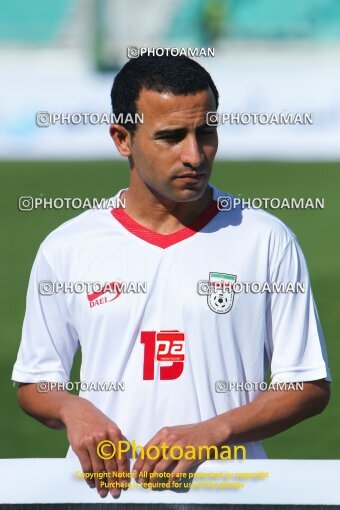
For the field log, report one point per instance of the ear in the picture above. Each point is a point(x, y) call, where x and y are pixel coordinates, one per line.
point(122, 139)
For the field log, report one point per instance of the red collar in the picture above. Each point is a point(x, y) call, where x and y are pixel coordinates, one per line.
point(165, 240)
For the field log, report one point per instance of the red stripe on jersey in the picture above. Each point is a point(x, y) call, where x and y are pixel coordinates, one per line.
point(165, 240)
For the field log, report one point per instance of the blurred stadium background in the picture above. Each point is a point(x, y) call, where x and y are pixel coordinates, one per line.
point(270, 56)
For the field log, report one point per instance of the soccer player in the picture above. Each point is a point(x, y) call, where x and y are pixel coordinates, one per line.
point(170, 344)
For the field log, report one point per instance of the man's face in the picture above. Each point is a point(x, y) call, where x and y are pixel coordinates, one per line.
point(174, 149)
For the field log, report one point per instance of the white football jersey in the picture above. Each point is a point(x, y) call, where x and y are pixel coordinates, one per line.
point(167, 330)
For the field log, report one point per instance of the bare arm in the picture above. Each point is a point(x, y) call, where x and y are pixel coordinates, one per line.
point(85, 424)
point(45, 407)
point(270, 413)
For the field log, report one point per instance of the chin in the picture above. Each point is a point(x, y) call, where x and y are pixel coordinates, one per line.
point(189, 194)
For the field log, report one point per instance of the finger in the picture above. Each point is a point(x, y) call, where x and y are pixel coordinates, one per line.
point(149, 466)
point(137, 467)
point(163, 466)
point(115, 465)
point(86, 466)
point(111, 469)
point(182, 466)
point(98, 467)
point(123, 464)
point(123, 467)
point(142, 464)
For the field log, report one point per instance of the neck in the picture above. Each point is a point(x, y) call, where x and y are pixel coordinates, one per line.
point(160, 214)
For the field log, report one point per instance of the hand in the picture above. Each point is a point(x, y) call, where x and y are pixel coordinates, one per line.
point(86, 427)
point(196, 435)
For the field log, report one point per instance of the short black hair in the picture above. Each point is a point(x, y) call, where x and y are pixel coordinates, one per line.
point(179, 75)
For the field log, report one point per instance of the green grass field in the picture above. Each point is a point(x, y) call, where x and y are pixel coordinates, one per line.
point(22, 232)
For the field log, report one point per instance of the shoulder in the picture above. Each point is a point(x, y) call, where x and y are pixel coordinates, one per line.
point(258, 232)
point(255, 222)
point(79, 236)
point(78, 226)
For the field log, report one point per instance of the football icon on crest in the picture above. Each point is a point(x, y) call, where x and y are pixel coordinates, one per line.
point(221, 295)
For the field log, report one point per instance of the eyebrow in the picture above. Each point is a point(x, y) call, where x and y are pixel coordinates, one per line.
point(179, 131)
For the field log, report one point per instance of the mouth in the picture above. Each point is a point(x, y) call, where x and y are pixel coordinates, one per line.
point(192, 176)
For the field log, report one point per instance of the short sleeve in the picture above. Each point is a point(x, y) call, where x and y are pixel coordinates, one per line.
point(49, 340)
point(295, 341)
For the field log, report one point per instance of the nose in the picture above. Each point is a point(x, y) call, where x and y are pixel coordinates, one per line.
point(192, 154)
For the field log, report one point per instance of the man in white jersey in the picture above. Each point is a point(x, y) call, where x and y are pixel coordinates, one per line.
point(172, 343)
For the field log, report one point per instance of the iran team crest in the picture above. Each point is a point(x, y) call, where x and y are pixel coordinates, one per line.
point(221, 292)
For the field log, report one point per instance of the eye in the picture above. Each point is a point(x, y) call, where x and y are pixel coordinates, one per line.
point(171, 138)
point(207, 132)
